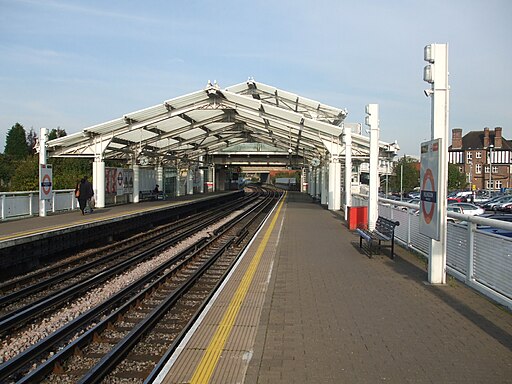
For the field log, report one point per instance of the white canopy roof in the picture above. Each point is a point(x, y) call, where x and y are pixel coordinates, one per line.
point(207, 121)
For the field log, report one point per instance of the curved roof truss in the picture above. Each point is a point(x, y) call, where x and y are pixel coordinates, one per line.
point(209, 120)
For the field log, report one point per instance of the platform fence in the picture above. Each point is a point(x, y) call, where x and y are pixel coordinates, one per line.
point(481, 259)
point(25, 204)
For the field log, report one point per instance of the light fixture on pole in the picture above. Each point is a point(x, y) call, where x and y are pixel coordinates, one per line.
point(435, 73)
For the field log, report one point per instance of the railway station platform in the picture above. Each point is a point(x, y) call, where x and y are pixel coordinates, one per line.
point(30, 242)
point(29, 226)
point(305, 305)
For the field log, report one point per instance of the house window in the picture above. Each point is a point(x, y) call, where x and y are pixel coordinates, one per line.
point(498, 184)
point(478, 168)
point(494, 169)
point(469, 155)
point(487, 169)
point(478, 155)
point(461, 169)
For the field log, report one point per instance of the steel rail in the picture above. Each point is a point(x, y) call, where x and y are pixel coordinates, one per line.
point(25, 314)
point(117, 354)
point(40, 372)
point(8, 298)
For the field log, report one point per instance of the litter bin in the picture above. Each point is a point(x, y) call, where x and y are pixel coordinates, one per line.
point(357, 217)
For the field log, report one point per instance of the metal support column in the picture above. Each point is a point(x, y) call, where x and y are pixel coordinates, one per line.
point(334, 184)
point(436, 73)
point(373, 207)
point(98, 181)
point(347, 139)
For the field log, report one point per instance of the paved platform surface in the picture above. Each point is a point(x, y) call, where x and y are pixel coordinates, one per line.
point(317, 310)
point(332, 315)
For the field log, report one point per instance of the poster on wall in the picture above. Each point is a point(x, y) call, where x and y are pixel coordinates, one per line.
point(110, 180)
point(118, 181)
point(128, 180)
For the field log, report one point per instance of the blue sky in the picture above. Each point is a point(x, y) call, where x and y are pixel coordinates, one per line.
point(73, 64)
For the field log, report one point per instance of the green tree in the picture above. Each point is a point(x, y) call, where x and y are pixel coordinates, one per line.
point(66, 172)
point(406, 174)
point(26, 176)
point(456, 179)
point(16, 142)
point(31, 141)
point(6, 172)
point(55, 133)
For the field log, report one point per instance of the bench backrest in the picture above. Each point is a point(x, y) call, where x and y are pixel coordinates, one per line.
point(386, 226)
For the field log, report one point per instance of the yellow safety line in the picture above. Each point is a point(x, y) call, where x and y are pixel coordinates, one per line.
point(79, 222)
point(212, 353)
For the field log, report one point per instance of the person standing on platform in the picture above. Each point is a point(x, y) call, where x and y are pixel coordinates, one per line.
point(84, 192)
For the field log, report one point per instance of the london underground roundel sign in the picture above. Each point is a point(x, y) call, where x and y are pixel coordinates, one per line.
point(429, 223)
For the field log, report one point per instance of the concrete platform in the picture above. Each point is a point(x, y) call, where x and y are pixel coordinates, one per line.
point(306, 306)
point(29, 243)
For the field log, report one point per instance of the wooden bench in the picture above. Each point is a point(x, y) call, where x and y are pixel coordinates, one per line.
point(150, 195)
point(384, 232)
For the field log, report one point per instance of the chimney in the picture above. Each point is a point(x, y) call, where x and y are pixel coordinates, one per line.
point(498, 140)
point(457, 138)
point(486, 137)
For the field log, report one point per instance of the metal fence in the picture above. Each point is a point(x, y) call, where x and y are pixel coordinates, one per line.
point(481, 259)
point(20, 204)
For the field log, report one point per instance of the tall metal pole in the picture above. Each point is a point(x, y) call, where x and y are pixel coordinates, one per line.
point(372, 120)
point(42, 161)
point(347, 139)
point(436, 73)
point(401, 181)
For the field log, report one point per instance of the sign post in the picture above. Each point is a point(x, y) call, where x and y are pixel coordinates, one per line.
point(436, 74)
point(45, 172)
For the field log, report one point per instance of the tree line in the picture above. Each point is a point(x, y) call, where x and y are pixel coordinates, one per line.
point(19, 163)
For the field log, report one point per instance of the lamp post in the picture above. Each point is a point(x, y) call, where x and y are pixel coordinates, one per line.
point(491, 146)
point(470, 176)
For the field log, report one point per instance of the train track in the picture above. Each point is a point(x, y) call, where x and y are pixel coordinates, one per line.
point(39, 293)
point(130, 335)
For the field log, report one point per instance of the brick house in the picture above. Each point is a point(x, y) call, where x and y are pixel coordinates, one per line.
point(484, 156)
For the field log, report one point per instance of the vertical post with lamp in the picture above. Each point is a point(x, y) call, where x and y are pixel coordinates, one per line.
point(436, 74)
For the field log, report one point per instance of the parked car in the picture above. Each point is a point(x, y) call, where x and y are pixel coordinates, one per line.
point(495, 200)
point(468, 208)
point(456, 209)
point(499, 206)
point(507, 208)
point(494, 230)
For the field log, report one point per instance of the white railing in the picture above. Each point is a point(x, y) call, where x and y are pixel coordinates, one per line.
point(481, 259)
point(20, 204)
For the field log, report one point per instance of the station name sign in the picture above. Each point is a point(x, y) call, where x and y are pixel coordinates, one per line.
point(429, 224)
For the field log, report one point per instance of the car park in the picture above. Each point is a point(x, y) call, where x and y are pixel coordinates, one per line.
point(495, 201)
point(468, 208)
